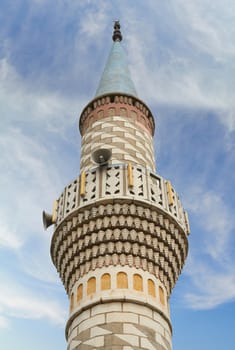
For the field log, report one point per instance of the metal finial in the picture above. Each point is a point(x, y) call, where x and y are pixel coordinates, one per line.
point(117, 35)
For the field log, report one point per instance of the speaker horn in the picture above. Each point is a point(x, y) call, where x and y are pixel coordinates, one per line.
point(101, 156)
point(47, 220)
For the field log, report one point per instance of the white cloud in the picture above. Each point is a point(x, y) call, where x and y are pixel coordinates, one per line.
point(16, 301)
point(8, 238)
point(211, 286)
point(227, 117)
point(30, 184)
point(210, 266)
point(214, 217)
point(210, 26)
point(193, 66)
point(37, 262)
point(29, 176)
point(94, 20)
point(29, 179)
point(21, 104)
point(4, 323)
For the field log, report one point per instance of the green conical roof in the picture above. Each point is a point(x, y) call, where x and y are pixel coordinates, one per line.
point(116, 75)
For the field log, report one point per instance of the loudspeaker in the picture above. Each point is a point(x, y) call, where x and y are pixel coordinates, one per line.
point(47, 220)
point(101, 156)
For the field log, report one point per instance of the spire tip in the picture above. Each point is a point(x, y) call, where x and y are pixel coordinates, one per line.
point(117, 35)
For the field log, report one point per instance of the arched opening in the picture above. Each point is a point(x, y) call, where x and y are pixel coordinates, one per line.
point(111, 112)
point(79, 293)
point(161, 295)
point(71, 302)
point(138, 282)
point(91, 285)
point(123, 112)
point(122, 281)
point(100, 114)
point(105, 281)
point(151, 288)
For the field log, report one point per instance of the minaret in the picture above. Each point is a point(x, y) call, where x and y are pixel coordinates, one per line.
point(120, 237)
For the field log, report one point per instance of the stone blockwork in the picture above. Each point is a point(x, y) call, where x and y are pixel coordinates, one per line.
point(123, 137)
point(122, 124)
point(120, 283)
point(119, 326)
point(119, 242)
point(120, 239)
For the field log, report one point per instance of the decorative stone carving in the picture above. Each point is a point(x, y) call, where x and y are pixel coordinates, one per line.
point(111, 182)
point(124, 239)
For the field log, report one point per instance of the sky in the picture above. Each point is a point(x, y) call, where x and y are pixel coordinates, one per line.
point(181, 56)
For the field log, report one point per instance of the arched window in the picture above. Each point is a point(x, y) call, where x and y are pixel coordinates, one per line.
point(91, 285)
point(151, 288)
point(71, 302)
point(122, 281)
point(123, 112)
point(138, 282)
point(143, 120)
point(100, 114)
point(105, 281)
point(111, 112)
point(133, 114)
point(79, 292)
point(161, 295)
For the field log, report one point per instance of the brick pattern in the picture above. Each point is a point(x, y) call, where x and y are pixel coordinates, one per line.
point(117, 104)
point(126, 138)
point(128, 328)
point(119, 234)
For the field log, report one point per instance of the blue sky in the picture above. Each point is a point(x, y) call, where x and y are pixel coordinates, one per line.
point(182, 60)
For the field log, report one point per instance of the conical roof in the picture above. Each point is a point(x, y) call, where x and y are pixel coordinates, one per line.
point(116, 75)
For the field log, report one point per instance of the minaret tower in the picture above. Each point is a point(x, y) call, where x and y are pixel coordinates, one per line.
point(120, 237)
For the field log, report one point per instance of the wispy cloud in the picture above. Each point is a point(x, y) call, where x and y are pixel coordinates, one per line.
point(8, 238)
point(210, 266)
point(30, 180)
point(4, 323)
point(25, 180)
point(189, 69)
point(210, 26)
point(94, 20)
point(215, 218)
point(18, 302)
point(47, 109)
point(210, 286)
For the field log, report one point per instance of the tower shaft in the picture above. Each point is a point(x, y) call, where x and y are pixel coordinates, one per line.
point(120, 238)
